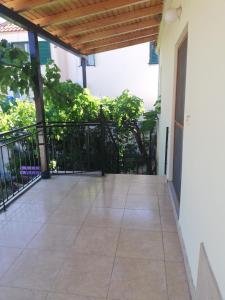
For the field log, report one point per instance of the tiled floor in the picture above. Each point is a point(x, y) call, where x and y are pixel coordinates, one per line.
point(92, 238)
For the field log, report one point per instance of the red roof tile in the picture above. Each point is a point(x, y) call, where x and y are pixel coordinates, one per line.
point(9, 27)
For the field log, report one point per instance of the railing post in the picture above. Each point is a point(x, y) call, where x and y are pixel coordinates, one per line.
point(102, 121)
point(166, 150)
point(39, 103)
point(84, 71)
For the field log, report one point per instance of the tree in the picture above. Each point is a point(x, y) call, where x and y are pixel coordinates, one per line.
point(68, 101)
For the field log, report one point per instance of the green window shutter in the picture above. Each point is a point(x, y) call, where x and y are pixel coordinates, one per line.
point(154, 58)
point(45, 52)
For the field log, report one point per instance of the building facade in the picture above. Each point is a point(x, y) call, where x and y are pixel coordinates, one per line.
point(134, 68)
point(192, 72)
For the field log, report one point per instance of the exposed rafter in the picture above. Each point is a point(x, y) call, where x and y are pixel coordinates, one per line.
point(84, 11)
point(113, 32)
point(118, 39)
point(15, 18)
point(96, 25)
point(121, 45)
point(22, 5)
point(113, 20)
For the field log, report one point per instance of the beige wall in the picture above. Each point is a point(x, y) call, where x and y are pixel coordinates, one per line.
point(202, 211)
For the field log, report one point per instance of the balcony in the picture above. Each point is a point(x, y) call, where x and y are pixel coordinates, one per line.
point(91, 237)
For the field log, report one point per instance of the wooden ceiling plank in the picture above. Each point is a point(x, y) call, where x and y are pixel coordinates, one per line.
point(114, 20)
point(84, 11)
point(118, 39)
point(113, 32)
point(23, 5)
point(121, 45)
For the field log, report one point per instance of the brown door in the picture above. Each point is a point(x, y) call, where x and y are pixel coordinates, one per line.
point(179, 116)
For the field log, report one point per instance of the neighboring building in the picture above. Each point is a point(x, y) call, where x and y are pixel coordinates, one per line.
point(108, 74)
point(192, 72)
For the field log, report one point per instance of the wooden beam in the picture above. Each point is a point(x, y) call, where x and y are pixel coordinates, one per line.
point(84, 71)
point(119, 39)
point(113, 20)
point(84, 11)
point(113, 32)
point(39, 102)
point(22, 5)
point(19, 20)
point(121, 45)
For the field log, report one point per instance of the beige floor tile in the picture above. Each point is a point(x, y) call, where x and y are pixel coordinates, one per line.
point(115, 191)
point(73, 263)
point(142, 202)
point(7, 258)
point(172, 247)
point(147, 179)
point(104, 217)
point(140, 244)
point(53, 236)
point(177, 281)
point(32, 213)
point(86, 275)
point(165, 203)
point(138, 279)
point(97, 240)
point(168, 221)
point(65, 215)
point(54, 296)
point(110, 201)
point(141, 219)
point(80, 200)
point(18, 234)
point(142, 189)
point(34, 269)
point(21, 294)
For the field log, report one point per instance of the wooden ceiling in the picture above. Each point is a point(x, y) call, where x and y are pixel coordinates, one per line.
point(93, 26)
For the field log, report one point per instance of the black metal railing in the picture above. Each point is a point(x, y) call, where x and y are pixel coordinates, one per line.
point(19, 161)
point(72, 148)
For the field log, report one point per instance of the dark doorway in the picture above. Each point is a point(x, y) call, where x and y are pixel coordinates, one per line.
point(179, 116)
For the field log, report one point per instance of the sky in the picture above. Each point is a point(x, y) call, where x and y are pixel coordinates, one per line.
point(2, 20)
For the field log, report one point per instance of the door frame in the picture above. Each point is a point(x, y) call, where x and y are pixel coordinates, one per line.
point(180, 40)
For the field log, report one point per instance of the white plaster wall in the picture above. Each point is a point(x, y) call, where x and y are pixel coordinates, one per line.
point(202, 211)
point(115, 71)
point(126, 68)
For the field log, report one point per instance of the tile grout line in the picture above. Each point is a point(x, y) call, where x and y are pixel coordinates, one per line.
point(114, 261)
point(167, 292)
point(24, 248)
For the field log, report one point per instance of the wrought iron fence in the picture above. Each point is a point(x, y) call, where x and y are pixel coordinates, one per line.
point(73, 148)
point(19, 162)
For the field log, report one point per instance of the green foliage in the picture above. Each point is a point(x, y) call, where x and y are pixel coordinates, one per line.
point(18, 115)
point(124, 108)
point(65, 100)
point(151, 117)
point(15, 70)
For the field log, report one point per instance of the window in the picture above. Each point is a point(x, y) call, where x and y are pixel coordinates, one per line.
point(44, 50)
point(90, 60)
point(154, 58)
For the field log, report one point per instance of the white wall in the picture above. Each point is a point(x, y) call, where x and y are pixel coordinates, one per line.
point(202, 210)
point(126, 68)
point(115, 71)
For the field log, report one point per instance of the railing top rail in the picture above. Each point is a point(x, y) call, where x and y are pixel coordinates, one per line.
point(2, 134)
